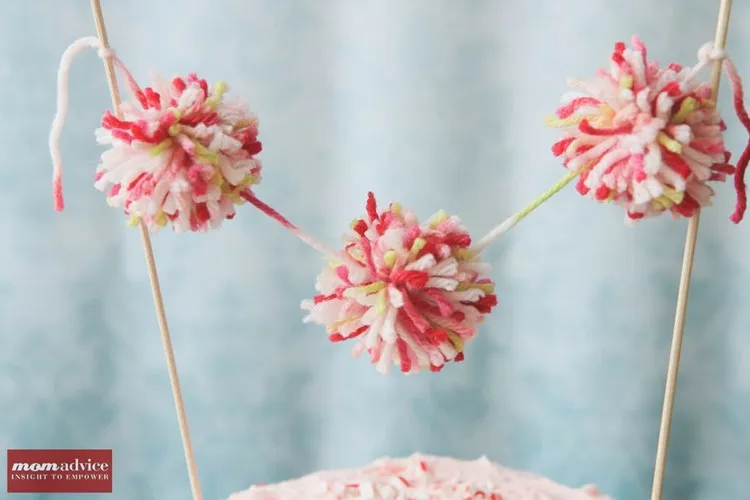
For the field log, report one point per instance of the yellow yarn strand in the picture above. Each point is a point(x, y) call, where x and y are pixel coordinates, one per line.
point(553, 121)
point(514, 219)
point(556, 188)
point(689, 105)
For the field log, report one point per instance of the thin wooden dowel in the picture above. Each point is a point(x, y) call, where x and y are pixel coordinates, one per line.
point(683, 292)
point(161, 315)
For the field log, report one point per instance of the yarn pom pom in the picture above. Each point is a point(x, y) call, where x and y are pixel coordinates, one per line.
point(409, 294)
point(181, 154)
point(646, 137)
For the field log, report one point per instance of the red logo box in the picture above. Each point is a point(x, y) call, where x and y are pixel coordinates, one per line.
point(59, 471)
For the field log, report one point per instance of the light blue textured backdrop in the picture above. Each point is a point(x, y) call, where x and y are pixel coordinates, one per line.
point(437, 104)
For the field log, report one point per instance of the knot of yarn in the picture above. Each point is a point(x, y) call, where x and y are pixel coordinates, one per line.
point(409, 293)
point(106, 53)
point(708, 53)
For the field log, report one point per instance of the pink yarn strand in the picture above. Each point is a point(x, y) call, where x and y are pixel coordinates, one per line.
point(250, 197)
point(738, 95)
point(135, 89)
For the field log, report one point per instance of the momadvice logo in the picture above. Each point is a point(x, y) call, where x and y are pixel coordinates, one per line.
point(59, 471)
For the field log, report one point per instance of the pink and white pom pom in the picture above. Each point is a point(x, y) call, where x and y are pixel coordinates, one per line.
point(409, 294)
point(180, 152)
point(649, 138)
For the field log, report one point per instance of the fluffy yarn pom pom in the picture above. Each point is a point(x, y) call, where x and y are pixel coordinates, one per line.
point(645, 137)
point(411, 294)
point(181, 154)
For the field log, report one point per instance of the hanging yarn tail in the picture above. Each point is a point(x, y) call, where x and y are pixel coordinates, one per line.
point(250, 197)
point(739, 107)
point(495, 233)
point(63, 71)
point(707, 55)
point(63, 74)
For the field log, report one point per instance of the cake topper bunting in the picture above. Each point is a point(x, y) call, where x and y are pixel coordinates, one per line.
point(409, 293)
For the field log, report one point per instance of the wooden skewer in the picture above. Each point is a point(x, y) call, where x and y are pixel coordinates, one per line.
point(161, 315)
point(720, 41)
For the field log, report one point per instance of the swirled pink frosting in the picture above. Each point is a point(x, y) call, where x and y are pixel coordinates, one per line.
point(421, 477)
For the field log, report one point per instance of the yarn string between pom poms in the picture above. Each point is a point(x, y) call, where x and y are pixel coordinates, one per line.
point(271, 212)
point(495, 233)
point(652, 135)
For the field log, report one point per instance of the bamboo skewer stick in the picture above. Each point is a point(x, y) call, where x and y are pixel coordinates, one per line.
point(161, 315)
point(691, 239)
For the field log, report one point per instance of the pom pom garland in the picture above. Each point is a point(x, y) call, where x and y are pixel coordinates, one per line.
point(409, 294)
point(649, 138)
point(181, 154)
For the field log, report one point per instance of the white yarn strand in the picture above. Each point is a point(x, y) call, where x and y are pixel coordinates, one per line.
point(63, 76)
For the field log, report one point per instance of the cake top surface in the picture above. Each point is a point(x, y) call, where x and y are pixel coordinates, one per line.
point(421, 477)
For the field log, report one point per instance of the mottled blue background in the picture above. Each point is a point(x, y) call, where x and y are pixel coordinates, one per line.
point(437, 104)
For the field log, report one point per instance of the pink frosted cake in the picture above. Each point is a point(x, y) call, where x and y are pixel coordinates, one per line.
point(421, 477)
